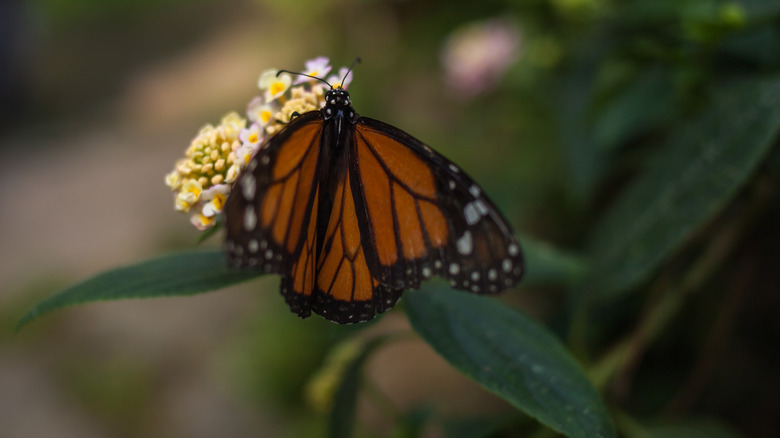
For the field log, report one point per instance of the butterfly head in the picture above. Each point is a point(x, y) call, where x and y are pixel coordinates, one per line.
point(337, 105)
point(337, 98)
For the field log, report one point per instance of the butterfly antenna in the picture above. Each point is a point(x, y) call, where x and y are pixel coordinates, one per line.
point(303, 74)
point(356, 61)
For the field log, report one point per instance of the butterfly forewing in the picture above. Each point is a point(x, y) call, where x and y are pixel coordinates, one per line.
point(426, 216)
point(270, 208)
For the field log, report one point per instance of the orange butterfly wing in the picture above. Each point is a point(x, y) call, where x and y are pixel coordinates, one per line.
point(346, 290)
point(424, 216)
point(274, 200)
point(352, 211)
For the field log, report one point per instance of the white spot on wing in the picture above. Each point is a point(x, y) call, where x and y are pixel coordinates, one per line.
point(451, 184)
point(265, 159)
point(248, 186)
point(506, 265)
point(465, 244)
point(492, 275)
point(253, 245)
point(454, 268)
point(481, 207)
point(250, 218)
point(475, 191)
point(471, 213)
point(513, 249)
point(454, 168)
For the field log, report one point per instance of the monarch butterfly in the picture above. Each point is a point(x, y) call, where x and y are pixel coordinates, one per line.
point(352, 211)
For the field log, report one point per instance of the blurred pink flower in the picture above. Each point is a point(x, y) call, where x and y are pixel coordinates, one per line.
point(317, 67)
point(476, 55)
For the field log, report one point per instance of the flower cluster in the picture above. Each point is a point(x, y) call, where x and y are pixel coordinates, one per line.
point(218, 154)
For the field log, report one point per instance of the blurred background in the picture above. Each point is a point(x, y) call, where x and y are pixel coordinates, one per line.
point(550, 104)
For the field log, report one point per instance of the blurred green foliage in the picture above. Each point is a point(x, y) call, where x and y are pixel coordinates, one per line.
point(119, 392)
point(262, 368)
point(71, 13)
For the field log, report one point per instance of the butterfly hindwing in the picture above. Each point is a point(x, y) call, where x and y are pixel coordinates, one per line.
point(298, 285)
point(426, 217)
point(345, 289)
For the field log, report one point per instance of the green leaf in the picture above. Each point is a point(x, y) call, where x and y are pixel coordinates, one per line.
point(645, 102)
point(512, 356)
point(185, 273)
point(548, 265)
point(691, 179)
point(342, 416)
point(582, 157)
